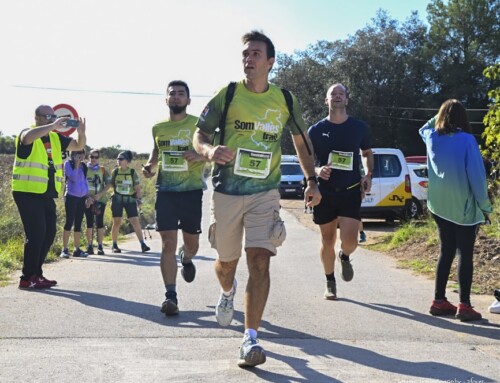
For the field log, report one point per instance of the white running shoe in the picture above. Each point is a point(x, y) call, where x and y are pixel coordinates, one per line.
point(225, 309)
point(64, 254)
point(251, 354)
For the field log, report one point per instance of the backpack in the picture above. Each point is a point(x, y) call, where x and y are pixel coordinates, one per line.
point(113, 177)
point(95, 180)
point(115, 171)
point(229, 96)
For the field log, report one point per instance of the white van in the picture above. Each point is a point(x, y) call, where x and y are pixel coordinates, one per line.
point(291, 177)
point(390, 196)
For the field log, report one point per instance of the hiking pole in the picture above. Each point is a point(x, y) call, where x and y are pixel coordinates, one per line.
point(144, 226)
point(95, 211)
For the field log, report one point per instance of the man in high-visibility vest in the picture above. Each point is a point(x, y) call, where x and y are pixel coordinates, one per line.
point(37, 179)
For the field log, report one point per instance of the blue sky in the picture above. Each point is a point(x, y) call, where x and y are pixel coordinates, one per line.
point(97, 46)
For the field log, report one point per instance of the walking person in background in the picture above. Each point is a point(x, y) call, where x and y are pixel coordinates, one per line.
point(458, 200)
point(246, 176)
point(126, 195)
point(37, 179)
point(179, 190)
point(337, 141)
point(99, 182)
point(75, 198)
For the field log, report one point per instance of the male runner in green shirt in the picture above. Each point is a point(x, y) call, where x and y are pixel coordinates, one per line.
point(179, 188)
point(246, 178)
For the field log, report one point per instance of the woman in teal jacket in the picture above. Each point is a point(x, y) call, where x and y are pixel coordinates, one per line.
point(458, 200)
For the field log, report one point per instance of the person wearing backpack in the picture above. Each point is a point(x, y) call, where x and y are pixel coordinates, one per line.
point(99, 182)
point(75, 198)
point(126, 195)
point(246, 177)
point(179, 190)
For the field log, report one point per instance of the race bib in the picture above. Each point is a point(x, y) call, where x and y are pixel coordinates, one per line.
point(124, 187)
point(253, 164)
point(173, 161)
point(340, 160)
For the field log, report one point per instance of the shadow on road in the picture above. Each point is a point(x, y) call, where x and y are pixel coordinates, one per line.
point(307, 343)
point(481, 328)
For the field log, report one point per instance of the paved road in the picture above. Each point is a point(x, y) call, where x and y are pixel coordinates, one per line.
point(102, 324)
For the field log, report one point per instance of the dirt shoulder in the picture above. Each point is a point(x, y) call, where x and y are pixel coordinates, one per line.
point(418, 255)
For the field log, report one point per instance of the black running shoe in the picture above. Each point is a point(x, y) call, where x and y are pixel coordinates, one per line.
point(188, 270)
point(169, 306)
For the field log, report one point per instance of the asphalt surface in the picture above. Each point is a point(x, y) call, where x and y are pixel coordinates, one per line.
point(102, 323)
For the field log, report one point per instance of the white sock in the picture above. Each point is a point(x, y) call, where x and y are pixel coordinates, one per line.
point(251, 333)
point(230, 292)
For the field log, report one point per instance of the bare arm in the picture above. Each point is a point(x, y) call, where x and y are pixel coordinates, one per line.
point(367, 179)
point(219, 154)
point(312, 196)
point(30, 135)
point(193, 156)
point(147, 170)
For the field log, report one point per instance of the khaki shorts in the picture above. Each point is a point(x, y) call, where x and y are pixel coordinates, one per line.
point(255, 214)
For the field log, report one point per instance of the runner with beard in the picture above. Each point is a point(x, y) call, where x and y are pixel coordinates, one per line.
point(179, 190)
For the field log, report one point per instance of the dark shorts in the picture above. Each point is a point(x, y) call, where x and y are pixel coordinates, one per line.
point(179, 210)
point(119, 202)
point(332, 206)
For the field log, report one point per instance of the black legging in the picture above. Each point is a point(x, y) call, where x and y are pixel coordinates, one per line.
point(38, 215)
point(455, 237)
point(89, 216)
point(75, 207)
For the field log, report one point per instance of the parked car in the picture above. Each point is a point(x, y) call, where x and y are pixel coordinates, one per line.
point(390, 196)
point(416, 159)
point(419, 184)
point(291, 177)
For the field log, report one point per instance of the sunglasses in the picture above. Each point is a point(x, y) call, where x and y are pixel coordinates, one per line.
point(120, 158)
point(94, 157)
point(48, 116)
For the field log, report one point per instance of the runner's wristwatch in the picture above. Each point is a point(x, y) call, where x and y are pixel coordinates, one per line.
point(312, 178)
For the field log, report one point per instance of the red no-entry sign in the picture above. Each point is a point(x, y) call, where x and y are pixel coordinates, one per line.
point(65, 110)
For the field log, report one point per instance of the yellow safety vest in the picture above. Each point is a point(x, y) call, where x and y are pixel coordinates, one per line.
point(32, 174)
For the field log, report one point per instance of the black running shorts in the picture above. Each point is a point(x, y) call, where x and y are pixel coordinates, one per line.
point(179, 210)
point(342, 204)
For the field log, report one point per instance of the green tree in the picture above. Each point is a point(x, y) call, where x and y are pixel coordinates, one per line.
point(491, 133)
point(464, 38)
point(7, 144)
point(384, 67)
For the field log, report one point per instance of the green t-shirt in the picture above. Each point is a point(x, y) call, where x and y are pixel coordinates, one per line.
point(172, 139)
point(97, 180)
point(254, 125)
point(124, 181)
